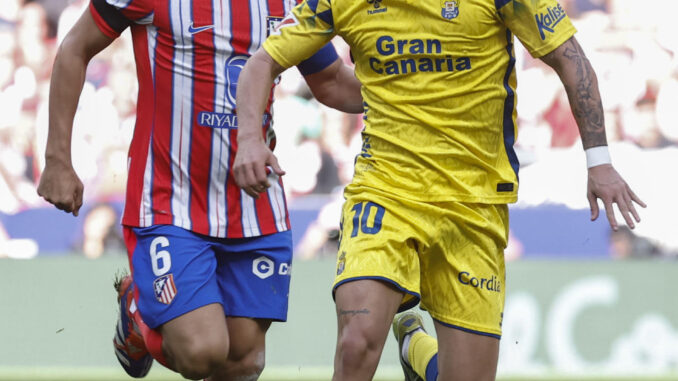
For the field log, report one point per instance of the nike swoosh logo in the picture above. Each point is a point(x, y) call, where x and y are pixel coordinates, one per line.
point(193, 30)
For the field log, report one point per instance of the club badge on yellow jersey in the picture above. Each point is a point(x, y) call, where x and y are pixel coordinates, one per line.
point(450, 9)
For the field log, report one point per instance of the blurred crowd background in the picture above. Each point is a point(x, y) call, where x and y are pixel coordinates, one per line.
point(632, 45)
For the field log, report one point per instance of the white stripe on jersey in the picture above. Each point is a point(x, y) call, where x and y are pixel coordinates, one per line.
point(146, 204)
point(276, 197)
point(258, 13)
point(220, 137)
point(146, 20)
point(250, 225)
point(289, 4)
point(182, 98)
point(152, 38)
point(146, 207)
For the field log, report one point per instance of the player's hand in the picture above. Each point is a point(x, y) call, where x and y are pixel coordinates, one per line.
point(61, 187)
point(606, 184)
point(251, 164)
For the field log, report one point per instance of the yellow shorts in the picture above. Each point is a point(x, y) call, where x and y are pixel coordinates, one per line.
point(447, 255)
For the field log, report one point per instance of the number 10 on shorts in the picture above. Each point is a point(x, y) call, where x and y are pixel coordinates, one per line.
point(363, 214)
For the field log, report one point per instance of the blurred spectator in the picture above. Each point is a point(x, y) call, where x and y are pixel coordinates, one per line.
point(625, 244)
point(101, 232)
point(22, 248)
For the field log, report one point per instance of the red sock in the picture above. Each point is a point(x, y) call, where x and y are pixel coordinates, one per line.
point(152, 339)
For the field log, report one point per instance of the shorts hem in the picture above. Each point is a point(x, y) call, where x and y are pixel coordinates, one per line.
point(403, 307)
point(278, 319)
point(469, 330)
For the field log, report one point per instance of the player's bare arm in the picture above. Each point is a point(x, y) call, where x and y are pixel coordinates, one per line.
point(253, 156)
point(581, 85)
point(336, 86)
point(59, 184)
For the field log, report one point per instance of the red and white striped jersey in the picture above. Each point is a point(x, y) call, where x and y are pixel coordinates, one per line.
point(189, 54)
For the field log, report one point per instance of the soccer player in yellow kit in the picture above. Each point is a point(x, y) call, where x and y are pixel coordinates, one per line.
point(425, 218)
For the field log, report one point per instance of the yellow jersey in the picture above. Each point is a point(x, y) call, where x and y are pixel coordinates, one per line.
point(438, 81)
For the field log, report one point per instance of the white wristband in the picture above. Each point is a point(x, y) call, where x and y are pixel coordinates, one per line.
point(596, 156)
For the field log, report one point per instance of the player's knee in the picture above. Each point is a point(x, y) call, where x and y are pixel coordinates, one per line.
point(353, 349)
point(200, 359)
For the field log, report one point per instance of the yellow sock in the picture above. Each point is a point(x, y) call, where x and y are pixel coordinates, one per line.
point(421, 350)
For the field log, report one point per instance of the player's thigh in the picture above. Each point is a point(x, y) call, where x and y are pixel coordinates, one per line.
point(198, 334)
point(465, 355)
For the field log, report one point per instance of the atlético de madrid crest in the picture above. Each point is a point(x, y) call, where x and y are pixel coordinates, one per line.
point(450, 9)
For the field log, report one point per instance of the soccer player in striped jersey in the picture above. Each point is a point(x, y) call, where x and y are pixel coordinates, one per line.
point(210, 264)
point(426, 217)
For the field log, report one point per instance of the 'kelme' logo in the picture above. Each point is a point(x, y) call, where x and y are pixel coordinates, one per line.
point(548, 21)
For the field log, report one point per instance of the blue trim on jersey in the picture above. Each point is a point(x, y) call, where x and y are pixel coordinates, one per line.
point(327, 17)
point(500, 3)
point(403, 307)
point(319, 61)
point(481, 333)
point(312, 4)
point(432, 368)
point(509, 105)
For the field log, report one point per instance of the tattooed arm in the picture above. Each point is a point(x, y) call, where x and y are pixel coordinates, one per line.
point(581, 85)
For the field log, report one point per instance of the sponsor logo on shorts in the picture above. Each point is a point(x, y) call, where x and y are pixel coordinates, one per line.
point(264, 267)
point(490, 284)
point(546, 22)
point(165, 289)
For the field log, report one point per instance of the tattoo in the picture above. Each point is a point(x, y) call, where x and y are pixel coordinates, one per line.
point(364, 311)
point(586, 104)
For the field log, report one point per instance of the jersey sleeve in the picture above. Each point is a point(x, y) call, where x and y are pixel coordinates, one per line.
point(108, 18)
point(135, 11)
point(318, 61)
point(303, 32)
point(541, 25)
